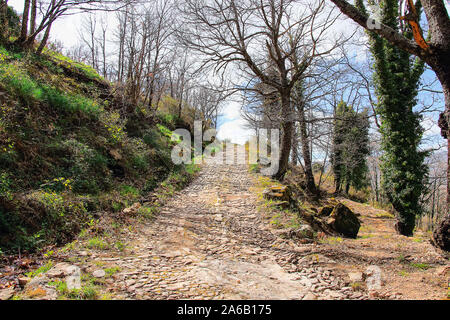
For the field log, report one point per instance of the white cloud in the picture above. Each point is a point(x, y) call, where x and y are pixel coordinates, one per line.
point(235, 130)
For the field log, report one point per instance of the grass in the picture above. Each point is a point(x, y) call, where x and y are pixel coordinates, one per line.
point(98, 244)
point(112, 271)
point(40, 270)
point(331, 240)
point(88, 290)
point(420, 266)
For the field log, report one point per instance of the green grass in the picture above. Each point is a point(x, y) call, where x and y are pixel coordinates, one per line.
point(61, 60)
point(420, 266)
point(98, 244)
point(40, 270)
point(112, 271)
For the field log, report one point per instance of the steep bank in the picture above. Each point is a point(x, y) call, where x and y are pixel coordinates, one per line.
point(71, 151)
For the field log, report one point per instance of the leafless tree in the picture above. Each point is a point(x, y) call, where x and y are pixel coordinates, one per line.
point(232, 33)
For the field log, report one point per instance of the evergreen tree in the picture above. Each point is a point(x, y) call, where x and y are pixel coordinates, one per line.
point(350, 148)
point(397, 76)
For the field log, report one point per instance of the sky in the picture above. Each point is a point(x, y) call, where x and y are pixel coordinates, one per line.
point(231, 124)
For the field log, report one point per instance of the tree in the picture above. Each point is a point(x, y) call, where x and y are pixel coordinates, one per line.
point(51, 11)
point(299, 102)
point(350, 148)
point(396, 81)
point(245, 33)
point(436, 53)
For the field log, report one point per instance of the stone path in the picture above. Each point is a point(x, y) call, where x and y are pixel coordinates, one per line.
point(210, 242)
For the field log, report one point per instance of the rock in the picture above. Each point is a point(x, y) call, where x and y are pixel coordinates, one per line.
point(38, 288)
point(133, 209)
point(59, 270)
point(344, 221)
point(355, 277)
point(443, 271)
point(281, 194)
point(73, 280)
point(6, 294)
point(99, 273)
point(310, 296)
point(441, 234)
point(129, 283)
point(326, 211)
point(305, 231)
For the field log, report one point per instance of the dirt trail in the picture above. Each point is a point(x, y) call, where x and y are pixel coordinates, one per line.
point(210, 242)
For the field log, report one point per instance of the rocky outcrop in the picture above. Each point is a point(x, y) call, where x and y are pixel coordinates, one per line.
point(343, 221)
point(281, 194)
point(441, 234)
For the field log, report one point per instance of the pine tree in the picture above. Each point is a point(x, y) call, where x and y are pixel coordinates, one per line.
point(397, 77)
point(350, 148)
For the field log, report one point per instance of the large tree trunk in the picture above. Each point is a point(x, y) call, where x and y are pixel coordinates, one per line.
point(3, 20)
point(442, 69)
point(310, 184)
point(24, 29)
point(295, 147)
point(287, 127)
point(437, 56)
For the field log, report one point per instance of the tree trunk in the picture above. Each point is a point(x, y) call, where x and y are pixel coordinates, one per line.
point(442, 69)
point(33, 16)
point(24, 30)
point(310, 184)
point(4, 20)
point(44, 40)
point(295, 147)
point(286, 141)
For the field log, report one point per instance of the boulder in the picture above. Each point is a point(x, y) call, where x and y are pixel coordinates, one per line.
point(344, 221)
point(441, 234)
point(326, 211)
point(60, 270)
point(280, 194)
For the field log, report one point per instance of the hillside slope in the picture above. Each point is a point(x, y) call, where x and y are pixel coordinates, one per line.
point(70, 151)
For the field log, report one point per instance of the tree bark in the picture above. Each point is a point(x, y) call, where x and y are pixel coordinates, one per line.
point(24, 28)
point(44, 40)
point(4, 20)
point(287, 127)
point(310, 184)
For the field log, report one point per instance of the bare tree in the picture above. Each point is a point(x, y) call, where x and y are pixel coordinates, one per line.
point(228, 32)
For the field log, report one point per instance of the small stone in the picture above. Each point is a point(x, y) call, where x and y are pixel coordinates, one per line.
point(310, 296)
point(355, 276)
point(99, 273)
point(130, 282)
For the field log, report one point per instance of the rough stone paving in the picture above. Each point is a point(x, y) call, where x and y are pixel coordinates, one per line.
point(210, 242)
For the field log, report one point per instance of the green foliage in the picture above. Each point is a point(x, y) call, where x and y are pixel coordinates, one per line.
point(40, 270)
point(397, 77)
point(5, 185)
point(66, 154)
point(98, 244)
point(350, 147)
